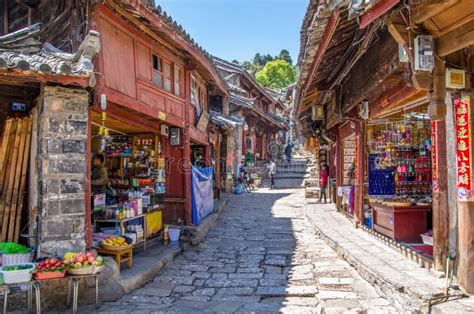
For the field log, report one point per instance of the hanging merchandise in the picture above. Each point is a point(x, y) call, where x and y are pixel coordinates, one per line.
point(399, 163)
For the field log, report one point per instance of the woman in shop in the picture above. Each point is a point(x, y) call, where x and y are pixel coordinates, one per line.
point(323, 181)
point(99, 175)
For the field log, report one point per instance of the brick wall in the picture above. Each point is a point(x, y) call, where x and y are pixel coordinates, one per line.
point(62, 168)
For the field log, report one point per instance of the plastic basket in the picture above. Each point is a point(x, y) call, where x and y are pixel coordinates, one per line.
point(18, 276)
point(14, 259)
point(50, 275)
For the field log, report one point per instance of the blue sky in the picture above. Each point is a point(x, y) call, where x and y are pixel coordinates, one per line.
point(237, 29)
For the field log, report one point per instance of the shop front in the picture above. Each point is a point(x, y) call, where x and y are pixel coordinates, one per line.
point(132, 200)
point(398, 174)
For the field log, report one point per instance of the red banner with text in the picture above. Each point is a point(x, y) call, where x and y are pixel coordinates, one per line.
point(434, 154)
point(463, 146)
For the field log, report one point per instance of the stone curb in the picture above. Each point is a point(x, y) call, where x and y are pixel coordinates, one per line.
point(397, 295)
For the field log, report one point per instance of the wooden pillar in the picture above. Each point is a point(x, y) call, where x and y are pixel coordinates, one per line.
point(437, 112)
point(359, 174)
point(339, 168)
point(440, 199)
point(186, 166)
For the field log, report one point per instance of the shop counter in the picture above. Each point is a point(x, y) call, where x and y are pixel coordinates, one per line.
point(403, 224)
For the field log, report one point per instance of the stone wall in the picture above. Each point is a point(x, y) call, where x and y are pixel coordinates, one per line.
point(62, 168)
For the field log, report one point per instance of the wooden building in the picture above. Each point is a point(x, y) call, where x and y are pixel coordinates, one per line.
point(363, 78)
point(150, 82)
point(262, 114)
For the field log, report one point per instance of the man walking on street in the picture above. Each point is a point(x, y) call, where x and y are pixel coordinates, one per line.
point(271, 172)
point(288, 150)
point(323, 181)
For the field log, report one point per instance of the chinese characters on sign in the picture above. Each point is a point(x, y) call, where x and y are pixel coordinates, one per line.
point(356, 167)
point(463, 145)
point(434, 154)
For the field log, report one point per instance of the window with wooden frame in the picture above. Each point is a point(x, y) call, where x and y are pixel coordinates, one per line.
point(178, 80)
point(167, 76)
point(196, 96)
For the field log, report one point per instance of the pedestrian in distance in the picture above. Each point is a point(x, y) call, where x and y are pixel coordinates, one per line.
point(271, 165)
point(323, 181)
point(288, 151)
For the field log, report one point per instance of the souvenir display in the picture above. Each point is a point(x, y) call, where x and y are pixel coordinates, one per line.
point(400, 163)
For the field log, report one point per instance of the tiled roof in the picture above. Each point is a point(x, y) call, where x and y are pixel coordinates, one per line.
point(225, 121)
point(21, 50)
point(241, 101)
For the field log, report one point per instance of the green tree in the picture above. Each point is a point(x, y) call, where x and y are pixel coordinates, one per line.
point(265, 59)
point(257, 59)
point(235, 61)
point(250, 67)
point(276, 74)
point(285, 55)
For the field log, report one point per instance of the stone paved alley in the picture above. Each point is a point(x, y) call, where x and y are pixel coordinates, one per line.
point(261, 256)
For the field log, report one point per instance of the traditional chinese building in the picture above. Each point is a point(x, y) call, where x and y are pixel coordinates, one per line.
point(151, 83)
point(363, 80)
point(263, 114)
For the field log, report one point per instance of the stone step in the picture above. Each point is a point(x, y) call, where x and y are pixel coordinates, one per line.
point(311, 192)
point(311, 183)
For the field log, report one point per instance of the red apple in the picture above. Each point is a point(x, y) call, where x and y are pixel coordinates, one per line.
point(91, 259)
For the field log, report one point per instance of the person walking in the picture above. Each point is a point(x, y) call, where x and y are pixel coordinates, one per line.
point(271, 172)
point(288, 151)
point(323, 181)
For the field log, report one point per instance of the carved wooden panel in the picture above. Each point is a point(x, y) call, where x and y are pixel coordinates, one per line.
point(151, 98)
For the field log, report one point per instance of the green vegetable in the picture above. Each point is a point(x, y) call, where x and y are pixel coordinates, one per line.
point(16, 267)
point(12, 248)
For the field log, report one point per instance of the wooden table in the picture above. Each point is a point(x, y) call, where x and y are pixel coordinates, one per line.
point(121, 256)
point(404, 223)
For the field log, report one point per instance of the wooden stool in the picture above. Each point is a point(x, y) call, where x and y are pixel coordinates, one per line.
point(121, 256)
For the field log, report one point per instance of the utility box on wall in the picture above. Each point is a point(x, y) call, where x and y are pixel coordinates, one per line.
point(175, 136)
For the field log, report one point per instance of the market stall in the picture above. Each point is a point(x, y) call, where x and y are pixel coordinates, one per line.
point(399, 177)
point(134, 198)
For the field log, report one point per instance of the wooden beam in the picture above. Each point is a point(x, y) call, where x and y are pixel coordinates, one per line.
point(399, 33)
point(376, 11)
point(323, 44)
point(427, 10)
point(457, 39)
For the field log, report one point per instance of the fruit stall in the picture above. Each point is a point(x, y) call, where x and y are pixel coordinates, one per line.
point(18, 267)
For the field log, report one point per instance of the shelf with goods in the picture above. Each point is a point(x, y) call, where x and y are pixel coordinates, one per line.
point(400, 179)
point(137, 184)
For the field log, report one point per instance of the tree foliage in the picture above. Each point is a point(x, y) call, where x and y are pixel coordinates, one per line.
point(285, 55)
point(276, 74)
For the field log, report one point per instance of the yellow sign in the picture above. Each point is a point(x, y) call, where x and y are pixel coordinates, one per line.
point(162, 115)
point(455, 78)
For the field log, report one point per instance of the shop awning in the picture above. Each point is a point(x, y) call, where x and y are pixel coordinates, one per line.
point(225, 121)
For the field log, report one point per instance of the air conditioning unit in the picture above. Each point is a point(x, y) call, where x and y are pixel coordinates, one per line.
point(364, 110)
point(424, 53)
point(165, 130)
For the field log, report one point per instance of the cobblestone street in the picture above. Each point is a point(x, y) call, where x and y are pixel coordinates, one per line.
point(260, 256)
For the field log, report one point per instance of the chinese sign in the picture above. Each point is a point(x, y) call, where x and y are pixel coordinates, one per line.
point(434, 154)
point(463, 144)
point(356, 167)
